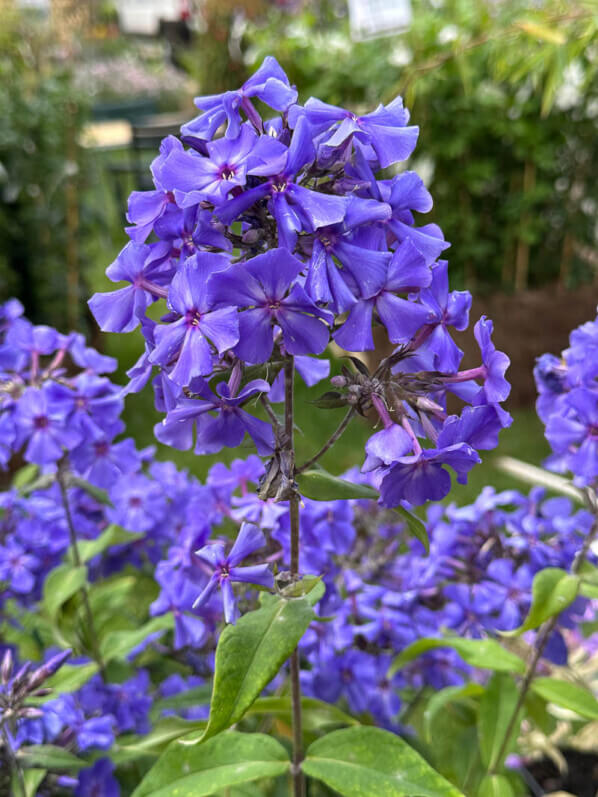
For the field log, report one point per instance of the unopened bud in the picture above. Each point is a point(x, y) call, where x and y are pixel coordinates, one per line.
point(49, 668)
point(30, 713)
point(252, 236)
point(6, 668)
point(339, 381)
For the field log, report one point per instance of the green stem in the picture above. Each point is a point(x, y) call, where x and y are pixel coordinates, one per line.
point(289, 389)
point(77, 558)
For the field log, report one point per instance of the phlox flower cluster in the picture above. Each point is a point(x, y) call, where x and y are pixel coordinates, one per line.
point(568, 405)
point(269, 235)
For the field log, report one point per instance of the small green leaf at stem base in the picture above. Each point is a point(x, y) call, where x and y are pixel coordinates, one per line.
point(189, 769)
point(49, 756)
point(369, 762)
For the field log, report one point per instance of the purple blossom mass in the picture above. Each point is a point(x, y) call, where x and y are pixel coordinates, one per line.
point(275, 239)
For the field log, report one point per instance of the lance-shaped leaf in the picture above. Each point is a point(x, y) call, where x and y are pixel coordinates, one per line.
point(113, 535)
point(415, 526)
point(189, 769)
point(118, 644)
point(250, 653)
point(496, 710)
point(567, 695)
point(553, 590)
point(49, 756)
point(322, 486)
point(495, 786)
point(370, 762)
point(484, 653)
point(62, 583)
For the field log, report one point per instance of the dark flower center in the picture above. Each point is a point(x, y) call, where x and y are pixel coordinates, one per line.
point(41, 422)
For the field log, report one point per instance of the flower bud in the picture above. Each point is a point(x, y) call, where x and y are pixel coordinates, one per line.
point(339, 381)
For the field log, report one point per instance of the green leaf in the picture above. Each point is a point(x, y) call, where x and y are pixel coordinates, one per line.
point(197, 696)
point(322, 486)
point(118, 644)
point(31, 780)
point(369, 762)
point(101, 496)
point(49, 756)
point(496, 709)
point(439, 700)
point(43, 482)
point(298, 589)
point(62, 583)
point(567, 695)
point(553, 590)
point(187, 769)
point(69, 678)
point(166, 730)
point(331, 400)
point(484, 653)
point(250, 654)
point(495, 786)
point(415, 526)
point(113, 535)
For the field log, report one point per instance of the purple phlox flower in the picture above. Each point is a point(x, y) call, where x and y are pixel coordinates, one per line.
point(403, 193)
point(238, 475)
point(494, 363)
point(269, 84)
point(582, 355)
point(385, 129)
point(294, 207)
point(138, 503)
point(189, 229)
point(407, 272)
point(8, 436)
point(444, 309)
point(187, 342)
point(511, 587)
point(477, 426)
point(422, 476)
point(177, 595)
point(386, 446)
point(367, 267)
point(35, 340)
point(88, 732)
point(91, 403)
point(146, 207)
point(17, 567)
point(575, 434)
point(102, 462)
point(551, 376)
point(311, 369)
point(267, 291)
point(143, 266)
point(252, 509)
point(44, 426)
point(193, 177)
point(98, 780)
point(226, 569)
point(89, 359)
point(227, 428)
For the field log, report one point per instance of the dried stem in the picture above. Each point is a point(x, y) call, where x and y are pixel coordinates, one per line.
point(289, 389)
point(330, 442)
point(61, 478)
point(540, 645)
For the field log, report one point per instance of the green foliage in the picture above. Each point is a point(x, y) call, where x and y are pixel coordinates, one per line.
point(505, 98)
point(322, 486)
point(567, 695)
point(370, 762)
point(497, 706)
point(250, 653)
point(188, 769)
point(484, 653)
point(42, 168)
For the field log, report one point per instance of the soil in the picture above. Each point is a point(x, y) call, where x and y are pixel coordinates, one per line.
point(581, 778)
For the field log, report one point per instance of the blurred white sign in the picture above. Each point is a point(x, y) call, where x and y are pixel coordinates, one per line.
point(373, 18)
